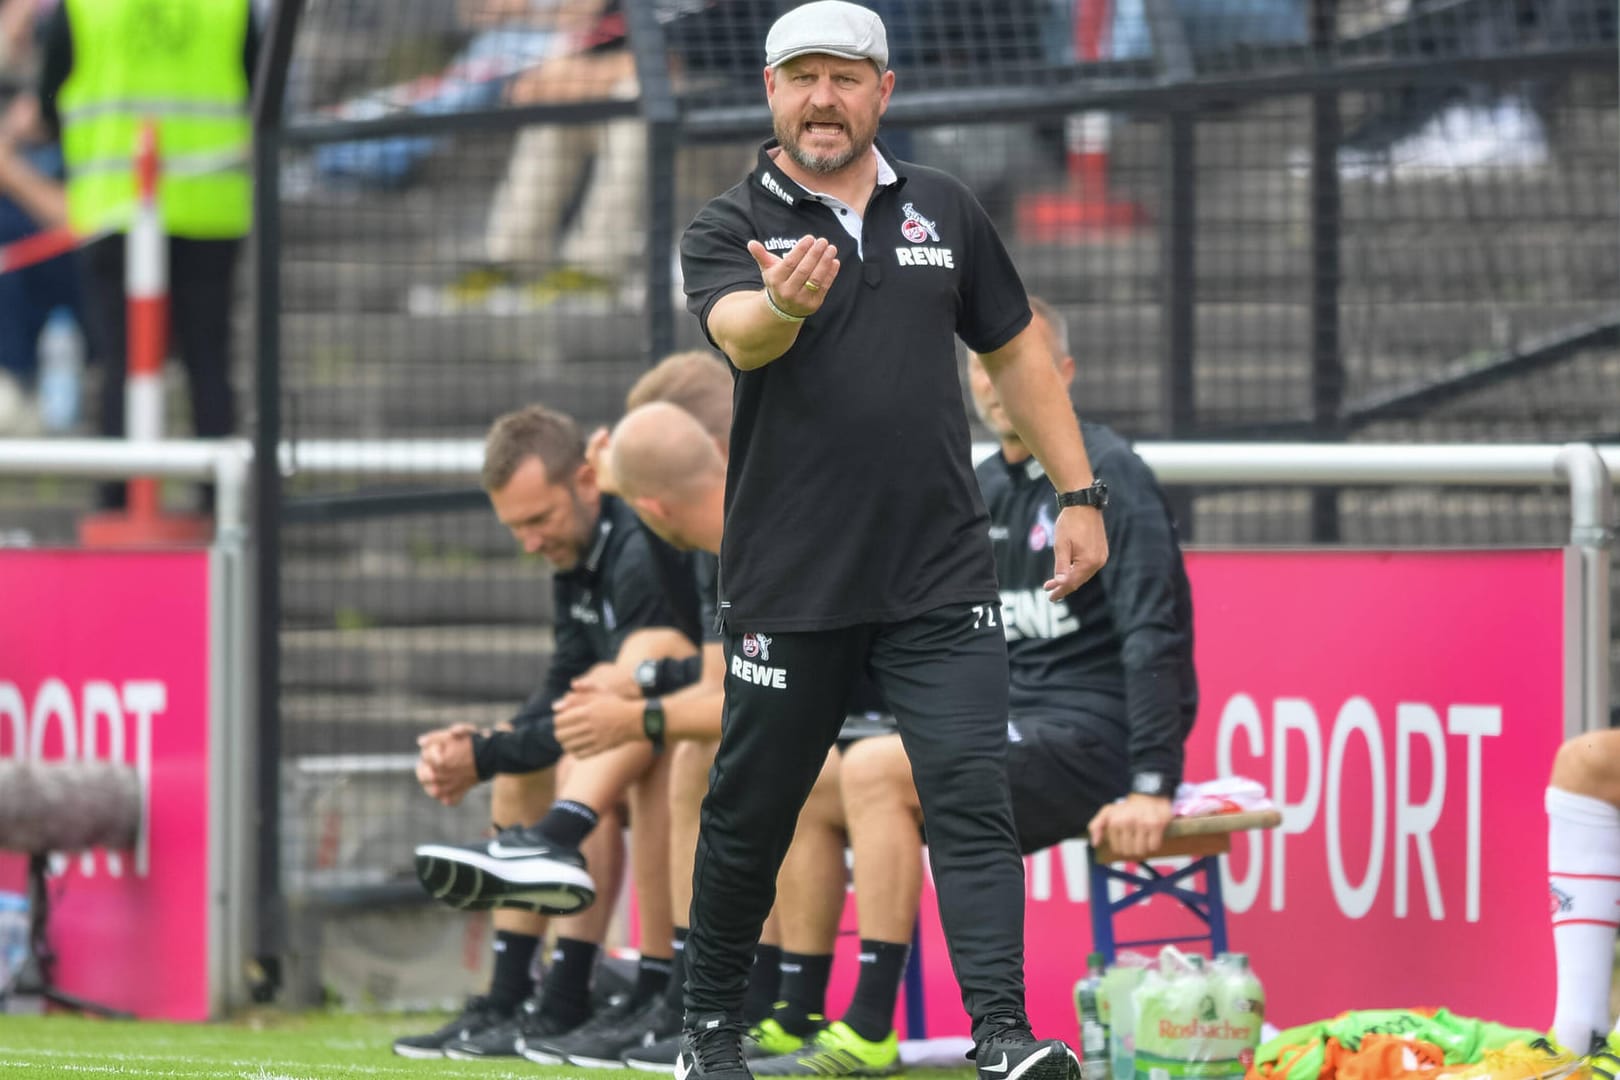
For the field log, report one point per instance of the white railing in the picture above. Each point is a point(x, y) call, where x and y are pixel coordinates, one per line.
point(1587, 472)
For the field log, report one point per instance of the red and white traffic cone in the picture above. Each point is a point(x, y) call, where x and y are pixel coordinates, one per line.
point(146, 292)
point(1085, 206)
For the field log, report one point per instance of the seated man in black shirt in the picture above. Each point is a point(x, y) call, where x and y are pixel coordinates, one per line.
point(622, 597)
point(1103, 694)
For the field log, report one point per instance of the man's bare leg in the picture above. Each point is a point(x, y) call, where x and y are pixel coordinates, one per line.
point(885, 822)
point(810, 890)
point(885, 832)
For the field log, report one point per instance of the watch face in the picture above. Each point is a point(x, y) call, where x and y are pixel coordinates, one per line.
point(1148, 784)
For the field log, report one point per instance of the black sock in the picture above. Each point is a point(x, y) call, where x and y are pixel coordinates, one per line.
point(764, 979)
point(567, 823)
point(511, 981)
point(566, 991)
point(871, 1011)
point(804, 992)
point(677, 970)
point(652, 978)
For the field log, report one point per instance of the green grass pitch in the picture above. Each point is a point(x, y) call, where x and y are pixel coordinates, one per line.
point(260, 1046)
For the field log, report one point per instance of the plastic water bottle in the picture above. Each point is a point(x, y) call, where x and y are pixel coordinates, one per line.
point(1088, 1006)
point(1120, 984)
point(61, 369)
point(1245, 1001)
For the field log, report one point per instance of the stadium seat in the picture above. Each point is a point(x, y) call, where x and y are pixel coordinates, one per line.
point(1202, 839)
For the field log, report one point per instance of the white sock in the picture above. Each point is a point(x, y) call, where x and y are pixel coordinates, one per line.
point(1583, 879)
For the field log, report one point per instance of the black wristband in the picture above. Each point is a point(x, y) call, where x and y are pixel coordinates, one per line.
point(652, 722)
point(673, 675)
point(1095, 495)
point(484, 756)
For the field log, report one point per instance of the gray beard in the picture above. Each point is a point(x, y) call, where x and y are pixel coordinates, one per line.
point(822, 166)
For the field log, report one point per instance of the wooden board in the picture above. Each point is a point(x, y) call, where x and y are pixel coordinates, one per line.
point(1209, 834)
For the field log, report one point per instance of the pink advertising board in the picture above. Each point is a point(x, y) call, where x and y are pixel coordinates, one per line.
point(1403, 708)
point(106, 655)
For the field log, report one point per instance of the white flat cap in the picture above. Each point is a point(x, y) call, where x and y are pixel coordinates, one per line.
point(833, 27)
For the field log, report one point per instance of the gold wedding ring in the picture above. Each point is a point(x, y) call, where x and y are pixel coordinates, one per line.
point(812, 286)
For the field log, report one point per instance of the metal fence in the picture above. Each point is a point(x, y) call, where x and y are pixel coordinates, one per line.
point(1262, 219)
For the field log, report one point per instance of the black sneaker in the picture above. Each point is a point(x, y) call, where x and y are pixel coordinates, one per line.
point(545, 1052)
point(478, 1015)
point(518, 869)
point(598, 1044)
point(658, 1056)
point(656, 1021)
point(1012, 1053)
point(711, 1049)
point(496, 1041)
point(537, 1026)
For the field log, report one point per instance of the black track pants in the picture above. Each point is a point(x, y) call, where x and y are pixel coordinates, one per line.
point(944, 677)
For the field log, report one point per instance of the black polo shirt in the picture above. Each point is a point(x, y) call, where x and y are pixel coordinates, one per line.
point(1117, 653)
point(676, 673)
point(850, 495)
point(706, 578)
point(628, 580)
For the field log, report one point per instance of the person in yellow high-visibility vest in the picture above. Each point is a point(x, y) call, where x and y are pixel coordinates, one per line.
point(110, 66)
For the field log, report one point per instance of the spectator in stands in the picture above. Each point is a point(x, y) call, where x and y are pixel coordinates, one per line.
point(1210, 25)
point(1103, 694)
point(621, 597)
point(508, 37)
point(31, 202)
point(189, 65)
point(1583, 872)
point(572, 201)
point(1430, 128)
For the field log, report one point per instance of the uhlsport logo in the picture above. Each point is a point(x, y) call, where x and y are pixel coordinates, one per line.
point(917, 228)
point(757, 645)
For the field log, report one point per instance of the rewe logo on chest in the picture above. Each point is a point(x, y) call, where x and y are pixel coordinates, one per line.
point(925, 256)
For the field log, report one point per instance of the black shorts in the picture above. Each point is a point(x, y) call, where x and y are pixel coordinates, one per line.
point(865, 725)
point(1061, 772)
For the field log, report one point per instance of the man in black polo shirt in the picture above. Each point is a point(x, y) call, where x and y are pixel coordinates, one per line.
point(1102, 687)
point(1103, 694)
point(835, 279)
point(621, 596)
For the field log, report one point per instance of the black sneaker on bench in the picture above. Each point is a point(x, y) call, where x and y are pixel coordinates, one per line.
point(520, 868)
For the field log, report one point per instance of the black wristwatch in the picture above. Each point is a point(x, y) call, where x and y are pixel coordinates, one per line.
point(1151, 783)
point(652, 722)
point(647, 677)
point(1095, 495)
